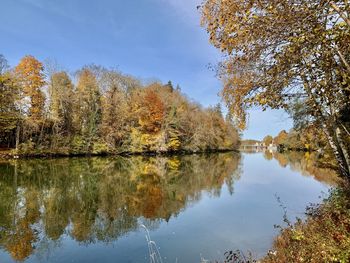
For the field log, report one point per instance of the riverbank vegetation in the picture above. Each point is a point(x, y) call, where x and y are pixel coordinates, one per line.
point(99, 110)
point(323, 237)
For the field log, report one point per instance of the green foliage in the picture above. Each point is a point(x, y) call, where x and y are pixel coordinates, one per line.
point(26, 148)
point(100, 147)
point(78, 145)
point(88, 104)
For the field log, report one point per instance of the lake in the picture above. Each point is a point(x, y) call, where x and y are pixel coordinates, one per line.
point(195, 206)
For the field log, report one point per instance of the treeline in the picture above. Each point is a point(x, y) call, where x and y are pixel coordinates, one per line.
point(307, 139)
point(99, 110)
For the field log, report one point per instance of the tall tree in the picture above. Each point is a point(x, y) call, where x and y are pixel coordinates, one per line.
point(283, 50)
point(115, 126)
point(152, 111)
point(61, 99)
point(88, 105)
point(30, 74)
point(9, 113)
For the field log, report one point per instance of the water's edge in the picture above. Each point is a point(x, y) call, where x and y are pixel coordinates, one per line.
point(13, 155)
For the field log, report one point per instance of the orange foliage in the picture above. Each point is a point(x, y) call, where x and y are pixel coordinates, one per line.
point(153, 112)
point(152, 201)
point(81, 227)
point(21, 242)
point(31, 77)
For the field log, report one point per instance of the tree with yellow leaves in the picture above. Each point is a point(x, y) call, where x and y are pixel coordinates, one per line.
point(61, 101)
point(9, 94)
point(280, 51)
point(30, 76)
point(105, 111)
point(88, 106)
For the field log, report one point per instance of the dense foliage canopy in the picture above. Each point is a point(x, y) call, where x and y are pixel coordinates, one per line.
point(99, 110)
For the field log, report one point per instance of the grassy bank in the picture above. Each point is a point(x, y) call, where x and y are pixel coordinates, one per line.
point(323, 237)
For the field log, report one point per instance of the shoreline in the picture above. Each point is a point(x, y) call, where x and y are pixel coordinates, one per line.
point(322, 237)
point(8, 155)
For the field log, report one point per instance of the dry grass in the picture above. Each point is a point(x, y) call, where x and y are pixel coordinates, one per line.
point(323, 237)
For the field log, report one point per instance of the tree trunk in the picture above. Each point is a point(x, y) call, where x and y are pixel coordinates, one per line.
point(331, 134)
point(343, 147)
point(338, 153)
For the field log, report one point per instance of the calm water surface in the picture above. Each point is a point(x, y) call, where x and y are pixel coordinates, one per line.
point(92, 209)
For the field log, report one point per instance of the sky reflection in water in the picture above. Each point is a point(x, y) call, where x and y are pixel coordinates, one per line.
point(90, 209)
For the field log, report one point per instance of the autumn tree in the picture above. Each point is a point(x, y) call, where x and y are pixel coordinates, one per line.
point(88, 105)
point(174, 122)
point(21, 240)
point(106, 111)
point(281, 138)
point(29, 73)
point(280, 51)
point(61, 102)
point(9, 95)
point(151, 111)
point(116, 122)
point(267, 140)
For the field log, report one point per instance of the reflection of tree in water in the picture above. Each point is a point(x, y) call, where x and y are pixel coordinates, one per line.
point(101, 199)
point(16, 234)
point(308, 164)
point(268, 155)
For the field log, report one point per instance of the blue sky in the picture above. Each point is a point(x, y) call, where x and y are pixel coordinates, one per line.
point(150, 39)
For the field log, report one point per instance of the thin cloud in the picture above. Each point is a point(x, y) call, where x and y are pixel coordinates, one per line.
point(187, 9)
